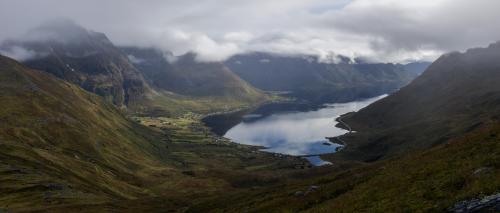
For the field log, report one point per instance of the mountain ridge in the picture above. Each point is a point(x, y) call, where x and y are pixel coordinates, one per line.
point(90, 60)
point(457, 93)
point(85, 58)
point(184, 75)
point(306, 77)
point(63, 148)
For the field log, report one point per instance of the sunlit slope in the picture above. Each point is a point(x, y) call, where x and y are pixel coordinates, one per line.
point(197, 86)
point(56, 136)
point(64, 148)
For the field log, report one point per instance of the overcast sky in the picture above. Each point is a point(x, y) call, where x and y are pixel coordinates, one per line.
point(381, 30)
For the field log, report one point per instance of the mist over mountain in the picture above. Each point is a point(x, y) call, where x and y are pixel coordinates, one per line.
point(383, 31)
point(186, 76)
point(249, 106)
point(431, 146)
point(85, 58)
point(455, 95)
point(307, 77)
point(416, 67)
point(142, 80)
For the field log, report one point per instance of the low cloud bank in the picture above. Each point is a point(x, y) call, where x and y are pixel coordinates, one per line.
point(378, 31)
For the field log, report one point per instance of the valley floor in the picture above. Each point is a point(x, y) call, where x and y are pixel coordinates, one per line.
point(204, 165)
point(425, 181)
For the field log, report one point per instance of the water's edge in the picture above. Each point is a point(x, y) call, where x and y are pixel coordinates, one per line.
point(220, 124)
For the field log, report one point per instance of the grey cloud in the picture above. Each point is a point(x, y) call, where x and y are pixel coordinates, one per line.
point(134, 59)
point(19, 53)
point(440, 25)
point(382, 30)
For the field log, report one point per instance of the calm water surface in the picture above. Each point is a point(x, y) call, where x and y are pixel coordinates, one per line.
point(296, 133)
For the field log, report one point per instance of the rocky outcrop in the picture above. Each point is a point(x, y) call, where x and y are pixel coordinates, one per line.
point(83, 57)
point(486, 204)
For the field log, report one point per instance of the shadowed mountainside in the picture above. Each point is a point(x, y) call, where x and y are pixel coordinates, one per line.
point(456, 94)
point(427, 147)
point(307, 78)
point(416, 67)
point(85, 58)
point(90, 60)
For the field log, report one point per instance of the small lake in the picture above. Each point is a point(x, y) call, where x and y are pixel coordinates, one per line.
point(296, 131)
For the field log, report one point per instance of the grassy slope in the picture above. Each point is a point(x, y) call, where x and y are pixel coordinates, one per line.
point(423, 181)
point(434, 143)
point(62, 147)
point(56, 137)
point(174, 105)
point(188, 85)
point(454, 95)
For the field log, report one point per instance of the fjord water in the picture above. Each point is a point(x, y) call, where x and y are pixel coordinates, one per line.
point(296, 133)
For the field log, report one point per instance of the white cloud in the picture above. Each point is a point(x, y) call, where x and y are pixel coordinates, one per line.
point(381, 30)
point(238, 37)
point(134, 59)
point(206, 48)
point(19, 53)
point(264, 61)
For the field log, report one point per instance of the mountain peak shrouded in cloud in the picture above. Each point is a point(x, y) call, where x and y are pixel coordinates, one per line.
point(83, 57)
point(54, 34)
point(381, 31)
point(61, 29)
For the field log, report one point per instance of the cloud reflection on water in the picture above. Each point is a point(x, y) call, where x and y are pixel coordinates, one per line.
point(296, 133)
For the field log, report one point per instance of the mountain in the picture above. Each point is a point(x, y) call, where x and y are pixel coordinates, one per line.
point(183, 75)
point(146, 83)
point(186, 76)
point(59, 143)
point(432, 180)
point(416, 67)
point(63, 148)
point(307, 78)
point(432, 146)
point(456, 94)
point(85, 58)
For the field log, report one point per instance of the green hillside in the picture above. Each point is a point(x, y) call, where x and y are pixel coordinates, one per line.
point(194, 86)
point(425, 148)
point(455, 95)
point(155, 87)
point(62, 147)
point(423, 181)
point(59, 142)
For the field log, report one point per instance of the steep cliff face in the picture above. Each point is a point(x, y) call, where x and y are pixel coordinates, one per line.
point(85, 58)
